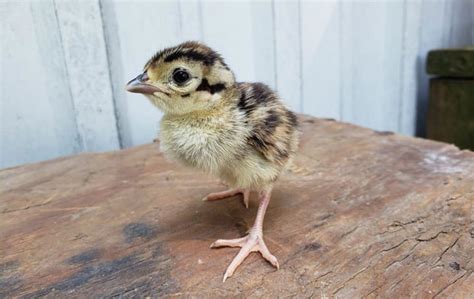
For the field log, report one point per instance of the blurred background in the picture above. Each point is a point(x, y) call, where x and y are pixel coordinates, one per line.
point(64, 64)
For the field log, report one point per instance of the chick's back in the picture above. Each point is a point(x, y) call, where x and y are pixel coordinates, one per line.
point(272, 126)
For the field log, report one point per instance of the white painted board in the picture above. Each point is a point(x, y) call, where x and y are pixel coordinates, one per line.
point(37, 113)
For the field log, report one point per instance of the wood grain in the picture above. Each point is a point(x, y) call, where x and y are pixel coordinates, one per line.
point(287, 46)
point(84, 51)
point(40, 96)
point(379, 215)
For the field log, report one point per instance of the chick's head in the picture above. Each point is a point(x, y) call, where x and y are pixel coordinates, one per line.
point(185, 78)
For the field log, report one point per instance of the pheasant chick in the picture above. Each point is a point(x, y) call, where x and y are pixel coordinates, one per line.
point(239, 132)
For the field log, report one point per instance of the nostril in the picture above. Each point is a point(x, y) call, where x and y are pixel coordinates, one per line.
point(143, 77)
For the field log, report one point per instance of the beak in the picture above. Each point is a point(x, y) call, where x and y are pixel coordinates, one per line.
point(139, 85)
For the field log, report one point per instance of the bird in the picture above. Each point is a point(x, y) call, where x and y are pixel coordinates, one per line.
point(242, 133)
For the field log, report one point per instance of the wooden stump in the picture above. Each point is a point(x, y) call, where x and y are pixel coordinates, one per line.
point(379, 215)
point(451, 108)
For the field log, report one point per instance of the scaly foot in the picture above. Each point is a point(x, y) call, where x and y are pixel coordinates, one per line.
point(254, 240)
point(229, 193)
point(251, 243)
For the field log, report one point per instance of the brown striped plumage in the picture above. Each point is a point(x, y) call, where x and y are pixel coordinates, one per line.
point(273, 126)
point(239, 132)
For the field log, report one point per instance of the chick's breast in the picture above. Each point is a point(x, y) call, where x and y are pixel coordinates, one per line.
point(208, 141)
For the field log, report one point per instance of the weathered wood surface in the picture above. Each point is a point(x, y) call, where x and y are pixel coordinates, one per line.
point(380, 215)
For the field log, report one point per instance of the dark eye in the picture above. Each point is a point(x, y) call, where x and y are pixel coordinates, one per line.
point(180, 76)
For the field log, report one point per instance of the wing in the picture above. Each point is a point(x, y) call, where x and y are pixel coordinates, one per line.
point(273, 127)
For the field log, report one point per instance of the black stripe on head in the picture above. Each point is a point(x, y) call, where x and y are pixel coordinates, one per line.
point(207, 59)
point(191, 50)
point(212, 89)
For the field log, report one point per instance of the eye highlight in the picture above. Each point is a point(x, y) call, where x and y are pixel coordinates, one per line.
point(181, 76)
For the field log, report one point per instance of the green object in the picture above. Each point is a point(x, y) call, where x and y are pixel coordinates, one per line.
point(451, 106)
point(451, 62)
point(451, 111)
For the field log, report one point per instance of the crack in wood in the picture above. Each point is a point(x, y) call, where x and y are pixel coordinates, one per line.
point(398, 261)
point(374, 290)
point(350, 278)
point(396, 284)
point(47, 201)
point(349, 232)
point(395, 246)
point(450, 284)
point(319, 277)
point(447, 248)
point(402, 224)
point(431, 238)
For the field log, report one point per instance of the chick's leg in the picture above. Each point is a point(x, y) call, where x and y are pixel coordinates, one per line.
point(229, 193)
point(252, 242)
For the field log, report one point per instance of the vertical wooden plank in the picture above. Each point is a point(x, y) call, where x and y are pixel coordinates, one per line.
point(243, 33)
point(461, 23)
point(227, 27)
point(37, 117)
point(88, 77)
point(135, 31)
point(116, 72)
point(288, 52)
point(430, 37)
point(472, 21)
point(376, 51)
point(392, 67)
point(347, 61)
point(190, 20)
point(408, 83)
point(321, 58)
point(263, 43)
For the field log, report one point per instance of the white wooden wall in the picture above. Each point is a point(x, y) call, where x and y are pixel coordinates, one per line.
point(64, 64)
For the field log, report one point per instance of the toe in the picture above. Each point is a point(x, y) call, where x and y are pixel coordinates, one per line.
point(271, 259)
point(229, 242)
point(267, 255)
point(238, 259)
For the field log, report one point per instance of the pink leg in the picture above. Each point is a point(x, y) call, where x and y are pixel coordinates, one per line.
point(229, 193)
point(252, 242)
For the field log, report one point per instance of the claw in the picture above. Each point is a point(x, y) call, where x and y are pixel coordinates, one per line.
point(250, 243)
point(254, 240)
point(246, 194)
